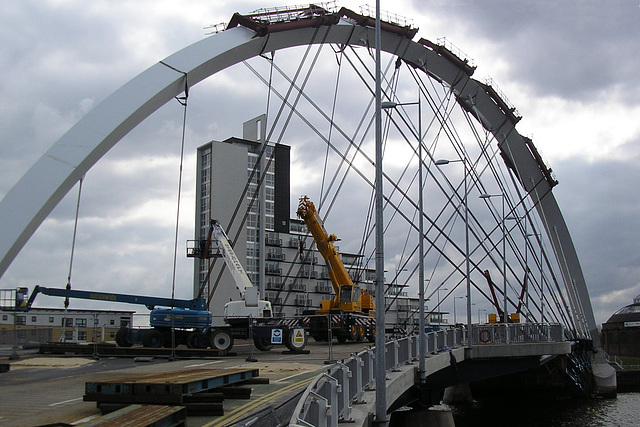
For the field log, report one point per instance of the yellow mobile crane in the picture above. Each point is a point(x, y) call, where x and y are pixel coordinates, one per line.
point(351, 310)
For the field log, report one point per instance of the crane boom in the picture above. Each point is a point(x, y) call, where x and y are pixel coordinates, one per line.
point(243, 283)
point(149, 302)
point(340, 279)
point(347, 295)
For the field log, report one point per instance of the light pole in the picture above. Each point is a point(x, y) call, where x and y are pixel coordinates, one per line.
point(504, 257)
point(442, 162)
point(422, 339)
point(381, 418)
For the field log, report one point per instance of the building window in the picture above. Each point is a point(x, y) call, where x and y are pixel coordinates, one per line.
point(125, 322)
point(5, 317)
point(82, 335)
point(96, 321)
point(67, 322)
point(21, 320)
point(68, 335)
point(50, 319)
point(112, 322)
point(34, 319)
point(81, 323)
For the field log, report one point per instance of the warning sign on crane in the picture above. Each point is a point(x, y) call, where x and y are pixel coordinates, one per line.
point(276, 336)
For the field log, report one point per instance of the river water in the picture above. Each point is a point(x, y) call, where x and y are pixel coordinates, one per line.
point(623, 411)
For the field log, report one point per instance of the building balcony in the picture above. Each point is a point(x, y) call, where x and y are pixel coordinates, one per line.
point(275, 256)
point(308, 274)
point(307, 259)
point(323, 289)
point(298, 287)
point(273, 271)
point(275, 285)
point(306, 302)
point(296, 243)
point(272, 239)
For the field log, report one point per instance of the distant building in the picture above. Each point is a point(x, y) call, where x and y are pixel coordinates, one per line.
point(621, 333)
point(51, 324)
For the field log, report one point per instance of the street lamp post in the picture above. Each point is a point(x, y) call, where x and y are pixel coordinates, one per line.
point(422, 339)
point(466, 239)
point(381, 418)
point(504, 257)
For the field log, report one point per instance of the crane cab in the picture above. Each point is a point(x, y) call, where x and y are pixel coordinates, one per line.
point(239, 311)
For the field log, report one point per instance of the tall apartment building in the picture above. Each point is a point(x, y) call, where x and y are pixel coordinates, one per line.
point(242, 189)
point(295, 277)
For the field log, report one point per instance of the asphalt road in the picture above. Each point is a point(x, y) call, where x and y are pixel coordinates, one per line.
point(38, 395)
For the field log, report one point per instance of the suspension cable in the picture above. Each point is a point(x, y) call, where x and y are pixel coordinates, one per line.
point(73, 240)
point(73, 247)
point(183, 101)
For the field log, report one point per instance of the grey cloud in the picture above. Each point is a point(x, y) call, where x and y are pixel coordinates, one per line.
point(600, 203)
point(573, 49)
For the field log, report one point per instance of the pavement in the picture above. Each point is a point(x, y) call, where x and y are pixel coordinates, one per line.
point(41, 390)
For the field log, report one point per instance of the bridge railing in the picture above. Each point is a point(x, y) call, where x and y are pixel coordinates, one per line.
point(327, 400)
point(515, 333)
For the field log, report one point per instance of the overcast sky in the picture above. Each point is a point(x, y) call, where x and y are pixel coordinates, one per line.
point(569, 67)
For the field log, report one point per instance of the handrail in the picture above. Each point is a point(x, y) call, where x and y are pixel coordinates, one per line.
point(327, 399)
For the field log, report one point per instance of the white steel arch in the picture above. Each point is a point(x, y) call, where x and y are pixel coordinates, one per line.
point(62, 166)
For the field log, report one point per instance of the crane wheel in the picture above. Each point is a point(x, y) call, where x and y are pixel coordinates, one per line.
point(122, 337)
point(362, 333)
point(262, 344)
point(152, 338)
point(194, 340)
point(296, 339)
point(221, 340)
point(353, 332)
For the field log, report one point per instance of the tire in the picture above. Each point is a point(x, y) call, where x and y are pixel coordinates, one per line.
point(353, 332)
point(193, 340)
point(152, 338)
point(262, 344)
point(221, 340)
point(296, 340)
point(342, 339)
point(362, 332)
point(122, 338)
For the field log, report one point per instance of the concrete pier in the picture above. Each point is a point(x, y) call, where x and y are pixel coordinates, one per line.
point(422, 418)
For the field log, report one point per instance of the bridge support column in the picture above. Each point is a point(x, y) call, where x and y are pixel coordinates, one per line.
point(604, 376)
point(459, 393)
point(423, 418)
